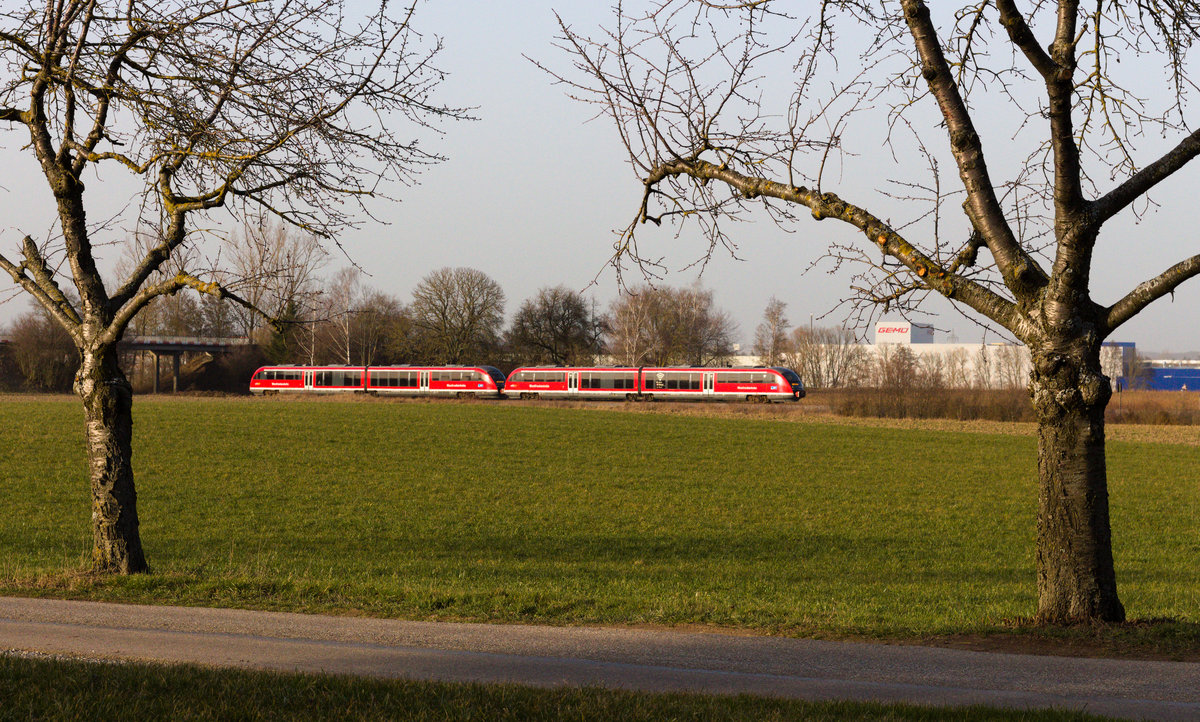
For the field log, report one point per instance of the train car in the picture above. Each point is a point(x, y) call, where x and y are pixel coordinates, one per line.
point(460, 381)
point(484, 382)
point(761, 385)
point(677, 383)
point(563, 382)
point(270, 380)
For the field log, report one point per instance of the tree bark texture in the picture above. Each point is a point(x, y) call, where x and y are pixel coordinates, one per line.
point(1075, 576)
point(108, 414)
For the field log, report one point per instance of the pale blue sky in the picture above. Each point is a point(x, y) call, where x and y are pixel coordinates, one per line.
point(532, 191)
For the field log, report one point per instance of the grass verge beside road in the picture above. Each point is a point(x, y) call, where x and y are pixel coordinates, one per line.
point(512, 513)
point(46, 689)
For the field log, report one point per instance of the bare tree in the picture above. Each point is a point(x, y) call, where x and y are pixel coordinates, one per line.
point(43, 351)
point(688, 84)
point(699, 333)
point(660, 326)
point(459, 313)
point(770, 338)
point(341, 301)
point(377, 317)
point(557, 326)
point(826, 358)
point(631, 338)
point(291, 109)
point(274, 267)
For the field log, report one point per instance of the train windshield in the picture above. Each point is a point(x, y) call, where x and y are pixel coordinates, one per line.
point(495, 374)
point(790, 375)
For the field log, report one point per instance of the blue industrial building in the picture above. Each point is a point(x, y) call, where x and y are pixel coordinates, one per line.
point(1173, 379)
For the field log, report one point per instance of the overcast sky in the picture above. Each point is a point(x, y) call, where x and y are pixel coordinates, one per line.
point(533, 190)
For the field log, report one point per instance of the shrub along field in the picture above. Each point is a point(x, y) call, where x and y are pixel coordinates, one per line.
point(540, 513)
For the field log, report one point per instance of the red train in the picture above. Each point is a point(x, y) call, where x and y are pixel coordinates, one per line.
point(460, 381)
point(647, 383)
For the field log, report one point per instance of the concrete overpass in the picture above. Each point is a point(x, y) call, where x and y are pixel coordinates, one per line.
point(176, 346)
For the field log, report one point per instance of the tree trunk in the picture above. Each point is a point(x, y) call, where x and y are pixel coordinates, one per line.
point(108, 406)
point(1075, 577)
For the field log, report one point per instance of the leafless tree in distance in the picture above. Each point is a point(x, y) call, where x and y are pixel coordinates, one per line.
point(664, 326)
point(771, 336)
point(826, 358)
point(557, 326)
point(274, 266)
point(459, 314)
point(688, 84)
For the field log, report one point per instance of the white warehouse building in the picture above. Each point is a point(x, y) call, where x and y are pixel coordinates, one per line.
point(968, 365)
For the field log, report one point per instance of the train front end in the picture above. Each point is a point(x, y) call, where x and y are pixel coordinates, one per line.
point(793, 381)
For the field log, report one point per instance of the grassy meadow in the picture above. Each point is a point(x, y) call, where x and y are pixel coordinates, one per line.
point(45, 689)
point(536, 513)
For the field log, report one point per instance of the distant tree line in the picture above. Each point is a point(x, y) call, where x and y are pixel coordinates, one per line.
point(453, 316)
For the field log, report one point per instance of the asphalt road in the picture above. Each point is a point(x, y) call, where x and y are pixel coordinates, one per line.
point(654, 660)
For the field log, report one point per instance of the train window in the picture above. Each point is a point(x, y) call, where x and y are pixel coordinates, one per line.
point(683, 381)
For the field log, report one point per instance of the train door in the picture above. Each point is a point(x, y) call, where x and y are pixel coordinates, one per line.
point(424, 382)
point(308, 380)
point(573, 382)
point(708, 383)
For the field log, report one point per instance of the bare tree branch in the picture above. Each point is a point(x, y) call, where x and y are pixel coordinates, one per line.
point(1150, 291)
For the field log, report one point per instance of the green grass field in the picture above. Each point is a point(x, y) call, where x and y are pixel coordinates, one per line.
point(66, 690)
point(561, 515)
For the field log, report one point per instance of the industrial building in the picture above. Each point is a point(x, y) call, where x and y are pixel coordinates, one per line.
point(1007, 365)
